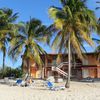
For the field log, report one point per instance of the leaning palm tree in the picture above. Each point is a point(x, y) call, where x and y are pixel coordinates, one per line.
point(26, 42)
point(74, 22)
point(6, 29)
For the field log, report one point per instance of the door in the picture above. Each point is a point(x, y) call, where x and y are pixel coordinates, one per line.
point(85, 73)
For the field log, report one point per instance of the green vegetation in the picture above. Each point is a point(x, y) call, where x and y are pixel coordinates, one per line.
point(6, 29)
point(11, 72)
point(26, 42)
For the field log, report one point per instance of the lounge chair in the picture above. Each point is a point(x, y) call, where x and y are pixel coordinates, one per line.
point(51, 86)
point(19, 82)
point(24, 83)
point(8, 81)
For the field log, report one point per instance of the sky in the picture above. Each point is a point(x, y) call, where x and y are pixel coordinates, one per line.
point(38, 9)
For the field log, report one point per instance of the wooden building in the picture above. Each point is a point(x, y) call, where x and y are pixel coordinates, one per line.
point(89, 67)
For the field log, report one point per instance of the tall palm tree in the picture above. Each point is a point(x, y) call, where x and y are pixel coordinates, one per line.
point(74, 23)
point(6, 29)
point(26, 42)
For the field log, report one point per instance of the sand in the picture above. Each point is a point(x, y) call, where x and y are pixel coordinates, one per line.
point(77, 91)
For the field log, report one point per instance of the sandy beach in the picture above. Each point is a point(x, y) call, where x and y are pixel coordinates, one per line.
point(77, 91)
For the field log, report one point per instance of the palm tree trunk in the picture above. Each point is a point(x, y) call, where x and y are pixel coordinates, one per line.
point(4, 54)
point(22, 66)
point(28, 65)
point(67, 85)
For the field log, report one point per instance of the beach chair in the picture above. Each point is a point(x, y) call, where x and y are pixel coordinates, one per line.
point(6, 80)
point(10, 82)
point(20, 82)
point(51, 86)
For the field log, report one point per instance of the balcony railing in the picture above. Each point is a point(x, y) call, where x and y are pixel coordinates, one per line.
point(62, 64)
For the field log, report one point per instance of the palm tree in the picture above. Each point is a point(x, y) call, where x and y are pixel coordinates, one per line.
point(98, 8)
point(98, 2)
point(26, 42)
point(97, 50)
point(6, 29)
point(74, 22)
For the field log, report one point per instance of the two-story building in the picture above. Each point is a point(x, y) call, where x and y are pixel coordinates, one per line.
point(89, 67)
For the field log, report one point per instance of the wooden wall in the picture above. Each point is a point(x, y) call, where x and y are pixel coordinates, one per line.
point(92, 60)
point(98, 71)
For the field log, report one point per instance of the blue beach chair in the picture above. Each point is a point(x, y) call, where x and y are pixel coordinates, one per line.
point(51, 86)
point(20, 82)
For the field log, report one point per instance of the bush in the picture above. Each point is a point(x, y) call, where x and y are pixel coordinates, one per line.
point(11, 72)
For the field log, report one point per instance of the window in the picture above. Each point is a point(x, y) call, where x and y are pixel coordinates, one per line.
point(85, 62)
